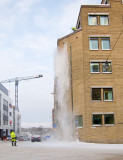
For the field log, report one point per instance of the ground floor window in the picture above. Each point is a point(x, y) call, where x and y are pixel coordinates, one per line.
point(97, 119)
point(78, 120)
point(109, 119)
point(103, 119)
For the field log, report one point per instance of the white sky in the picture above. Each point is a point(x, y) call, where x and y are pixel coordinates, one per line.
point(29, 30)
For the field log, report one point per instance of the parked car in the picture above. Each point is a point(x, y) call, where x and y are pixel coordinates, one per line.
point(20, 138)
point(26, 139)
point(36, 138)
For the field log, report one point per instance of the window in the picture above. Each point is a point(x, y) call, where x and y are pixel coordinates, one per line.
point(5, 112)
point(78, 120)
point(97, 43)
point(96, 94)
point(94, 43)
point(5, 102)
point(97, 67)
point(105, 43)
point(5, 122)
point(100, 119)
point(78, 25)
point(108, 94)
point(92, 20)
point(98, 19)
point(104, 20)
point(97, 119)
point(109, 119)
point(94, 67)
point(107, 69)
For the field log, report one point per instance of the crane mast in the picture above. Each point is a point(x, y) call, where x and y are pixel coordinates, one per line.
point(16, 80)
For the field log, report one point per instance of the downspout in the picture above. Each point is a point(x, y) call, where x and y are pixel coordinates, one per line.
point(71, 80)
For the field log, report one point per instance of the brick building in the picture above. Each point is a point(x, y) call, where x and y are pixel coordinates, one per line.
point(97, 87)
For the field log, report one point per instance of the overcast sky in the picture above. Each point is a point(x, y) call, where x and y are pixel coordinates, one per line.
point(29, 30)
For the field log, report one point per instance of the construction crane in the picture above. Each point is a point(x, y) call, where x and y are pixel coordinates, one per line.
point(16, 80)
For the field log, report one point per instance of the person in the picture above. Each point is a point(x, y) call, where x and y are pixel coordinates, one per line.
point(74, 29)
point(13, 136)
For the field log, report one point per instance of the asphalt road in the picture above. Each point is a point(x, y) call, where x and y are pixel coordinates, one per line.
point(60, 151)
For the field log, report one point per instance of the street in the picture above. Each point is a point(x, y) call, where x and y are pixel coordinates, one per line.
point(60, 151)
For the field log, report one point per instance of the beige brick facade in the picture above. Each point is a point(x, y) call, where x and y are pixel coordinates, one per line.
point(84, 80)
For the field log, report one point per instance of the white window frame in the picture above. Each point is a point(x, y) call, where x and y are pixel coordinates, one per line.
point(102, 99)
point(104, 119)
point(99, 14)
point(91, 95)
point(112, 95)
point(97, 125)
point(104, 24)
point(96, 20)
point(111, 68)
point(98, 44)
point(90, 67)
point(100, 62)
point(109, 44)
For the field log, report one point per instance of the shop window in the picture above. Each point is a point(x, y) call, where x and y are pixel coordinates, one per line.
point(92, 20)
point(94, 67)
point(104, 20)
point(105, 43)
point(94, 43)
point(108, 94)
point(78, 120)
point(96, 94)
point(97, 119)
point(107, 69)
point(109, 119)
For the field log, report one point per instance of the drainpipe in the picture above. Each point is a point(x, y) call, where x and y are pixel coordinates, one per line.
point(71, 78)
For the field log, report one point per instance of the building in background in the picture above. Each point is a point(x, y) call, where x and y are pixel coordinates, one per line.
point(6, 113)
point(95, 49)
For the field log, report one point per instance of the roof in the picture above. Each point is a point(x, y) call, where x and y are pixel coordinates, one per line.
point(3, 89)
point(78, 30)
